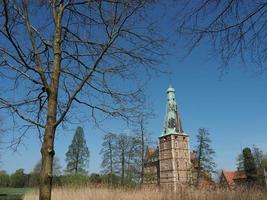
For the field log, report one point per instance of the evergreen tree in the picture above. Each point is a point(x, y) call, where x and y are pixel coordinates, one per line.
point(249, 165)
point(205, 154)
point(240, 162)
point(258, 156)
point(77, 157)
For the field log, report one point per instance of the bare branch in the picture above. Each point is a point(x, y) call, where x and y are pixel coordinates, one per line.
point(14, 108)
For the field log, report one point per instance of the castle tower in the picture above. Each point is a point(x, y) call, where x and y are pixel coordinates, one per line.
point(174, 152)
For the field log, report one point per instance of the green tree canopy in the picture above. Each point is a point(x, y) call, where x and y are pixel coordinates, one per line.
point(249, 165)
point(77, 157)
point(17, 179)
point(4, 179)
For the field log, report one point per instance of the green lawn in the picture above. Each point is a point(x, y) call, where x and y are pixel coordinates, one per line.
point(12, 193)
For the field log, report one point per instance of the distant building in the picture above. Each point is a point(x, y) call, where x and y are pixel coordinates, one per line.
point(234, 179)
point(151, 168)
point(170, 164)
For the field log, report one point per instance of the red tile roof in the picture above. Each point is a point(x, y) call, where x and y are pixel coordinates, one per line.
point(240, 175)
point(231, 176)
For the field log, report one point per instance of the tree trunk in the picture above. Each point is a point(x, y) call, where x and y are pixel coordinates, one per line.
point(111, 163)
point(77, 161)
point(47, 149)
point(142, 151)
point(122, 165)
point(47, 163)
point(199, 170)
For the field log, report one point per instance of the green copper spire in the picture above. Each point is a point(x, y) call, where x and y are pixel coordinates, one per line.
point(172, 123)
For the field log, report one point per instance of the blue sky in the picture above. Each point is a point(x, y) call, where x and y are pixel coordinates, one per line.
point(233, 107)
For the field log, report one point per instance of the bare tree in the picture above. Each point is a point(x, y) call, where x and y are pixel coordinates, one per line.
point(258, 156)
point(142, 137)
point(126, 158)
point(122, 144)
point(121, 156)
point(108, 151)
point(233, 28)
point(55, 56)
point(1, 132)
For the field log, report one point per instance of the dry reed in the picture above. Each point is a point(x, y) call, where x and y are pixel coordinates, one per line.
point(90, 193)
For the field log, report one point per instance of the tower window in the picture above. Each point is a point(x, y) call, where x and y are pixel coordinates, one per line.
point(171, 123)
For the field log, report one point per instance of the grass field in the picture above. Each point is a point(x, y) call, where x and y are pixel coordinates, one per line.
point(87, 193)
point(12, 193)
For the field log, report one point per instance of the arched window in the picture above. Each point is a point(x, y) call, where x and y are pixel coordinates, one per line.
point(176, 144)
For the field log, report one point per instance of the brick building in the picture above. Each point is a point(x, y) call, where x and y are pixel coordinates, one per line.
point(170, 165)
point(234, 179)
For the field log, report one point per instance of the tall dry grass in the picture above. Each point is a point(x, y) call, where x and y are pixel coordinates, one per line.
point(89, 193)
